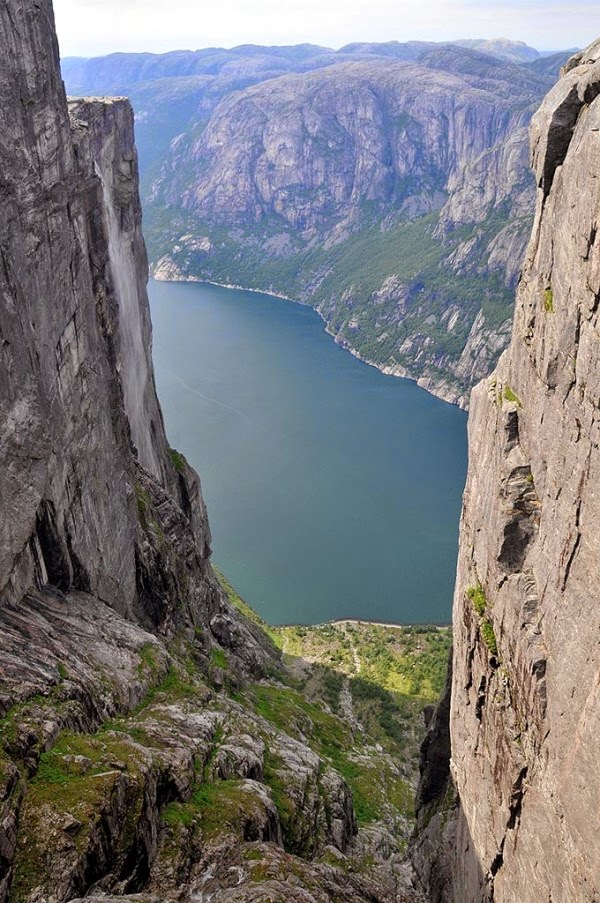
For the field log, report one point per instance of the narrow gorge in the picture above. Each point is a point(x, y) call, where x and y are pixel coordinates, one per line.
point(158, 741)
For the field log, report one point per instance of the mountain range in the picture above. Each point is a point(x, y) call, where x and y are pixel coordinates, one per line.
point(387, 185)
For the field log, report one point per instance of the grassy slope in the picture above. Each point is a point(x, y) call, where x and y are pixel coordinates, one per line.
point(368, 681)
point(352, 692)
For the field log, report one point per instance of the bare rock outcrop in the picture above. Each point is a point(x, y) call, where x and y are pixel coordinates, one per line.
point(322, 175)
point(524, 715)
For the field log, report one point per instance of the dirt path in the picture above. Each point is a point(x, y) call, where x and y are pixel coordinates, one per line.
point(355, 655)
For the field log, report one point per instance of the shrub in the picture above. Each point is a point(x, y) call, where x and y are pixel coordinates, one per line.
point(143, 505)
point(477, 596)
point(178, 460)
point(489, 637)
point(511, 396)
point(218, 658)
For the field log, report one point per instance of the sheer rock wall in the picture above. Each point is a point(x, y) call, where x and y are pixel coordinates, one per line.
point(524, 714)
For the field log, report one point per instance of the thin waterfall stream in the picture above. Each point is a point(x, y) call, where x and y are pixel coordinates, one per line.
point(134, 376)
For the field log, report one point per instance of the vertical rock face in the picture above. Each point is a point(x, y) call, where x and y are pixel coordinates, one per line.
point(75, 332)
point(525, 702)
point(92, 499)
point(393, 196)
point(104, 541)
point(104, 141)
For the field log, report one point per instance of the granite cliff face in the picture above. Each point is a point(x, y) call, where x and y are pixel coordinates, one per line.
point(148, 742)
point(311, 148)
point(524, 716)
point(354, 188)
point(387, 185)
point(56, 257)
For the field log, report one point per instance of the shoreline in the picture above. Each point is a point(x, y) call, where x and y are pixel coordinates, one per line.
point(242, 288)
point(438, 625)
point(397, 372)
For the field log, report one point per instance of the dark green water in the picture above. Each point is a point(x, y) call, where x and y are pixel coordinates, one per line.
point(332, 490)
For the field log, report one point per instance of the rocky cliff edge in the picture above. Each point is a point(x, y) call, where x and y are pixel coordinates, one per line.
point(524, 713)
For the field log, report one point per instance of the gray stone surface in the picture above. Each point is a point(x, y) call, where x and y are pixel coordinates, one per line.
point(120, 656)
point(66, 431)
point(525, 720)
point(255, 158)
point(82, 474)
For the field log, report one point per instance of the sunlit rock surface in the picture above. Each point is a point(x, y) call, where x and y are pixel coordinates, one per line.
point(524, 714)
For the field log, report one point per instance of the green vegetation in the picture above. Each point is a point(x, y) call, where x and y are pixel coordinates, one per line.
point(175, 686)
point(332, 683)
point(549, 300)
point(178, 460)
point(331, 738)
point(489, 637)
point(148, 664)
point(77, 757)
point(281, 798)
point(236, 600)
point(361, 717)
point(388, 674)
point(291, 712)
point(400, 669)
point(143, 505)
point(511, 397)
point(5, 769)
point(145, 514)
point(346, 279)
point(410, 661)
point(477, 596)
point(73, 779)
point(22, 714)
point(218, 658)
point(216, 808)
point(363, 779)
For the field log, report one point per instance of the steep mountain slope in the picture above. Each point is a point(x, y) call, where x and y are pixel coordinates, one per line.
point(173, 91)
point(149, 747)
point(392, 196)
point(119, 71)
point(401, 217)
point(524, 717)
point(153, 744)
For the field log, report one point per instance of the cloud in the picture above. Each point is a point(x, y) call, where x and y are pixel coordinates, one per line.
point(90, 27)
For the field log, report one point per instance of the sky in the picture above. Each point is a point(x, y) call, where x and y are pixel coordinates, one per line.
point(95, 27)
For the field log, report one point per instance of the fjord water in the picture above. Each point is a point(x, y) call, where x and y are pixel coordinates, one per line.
point(332, 490)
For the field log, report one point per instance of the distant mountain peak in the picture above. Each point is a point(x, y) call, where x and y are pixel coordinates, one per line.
point(515, 51)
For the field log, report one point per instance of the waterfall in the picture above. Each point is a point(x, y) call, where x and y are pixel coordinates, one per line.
point(133, 365)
